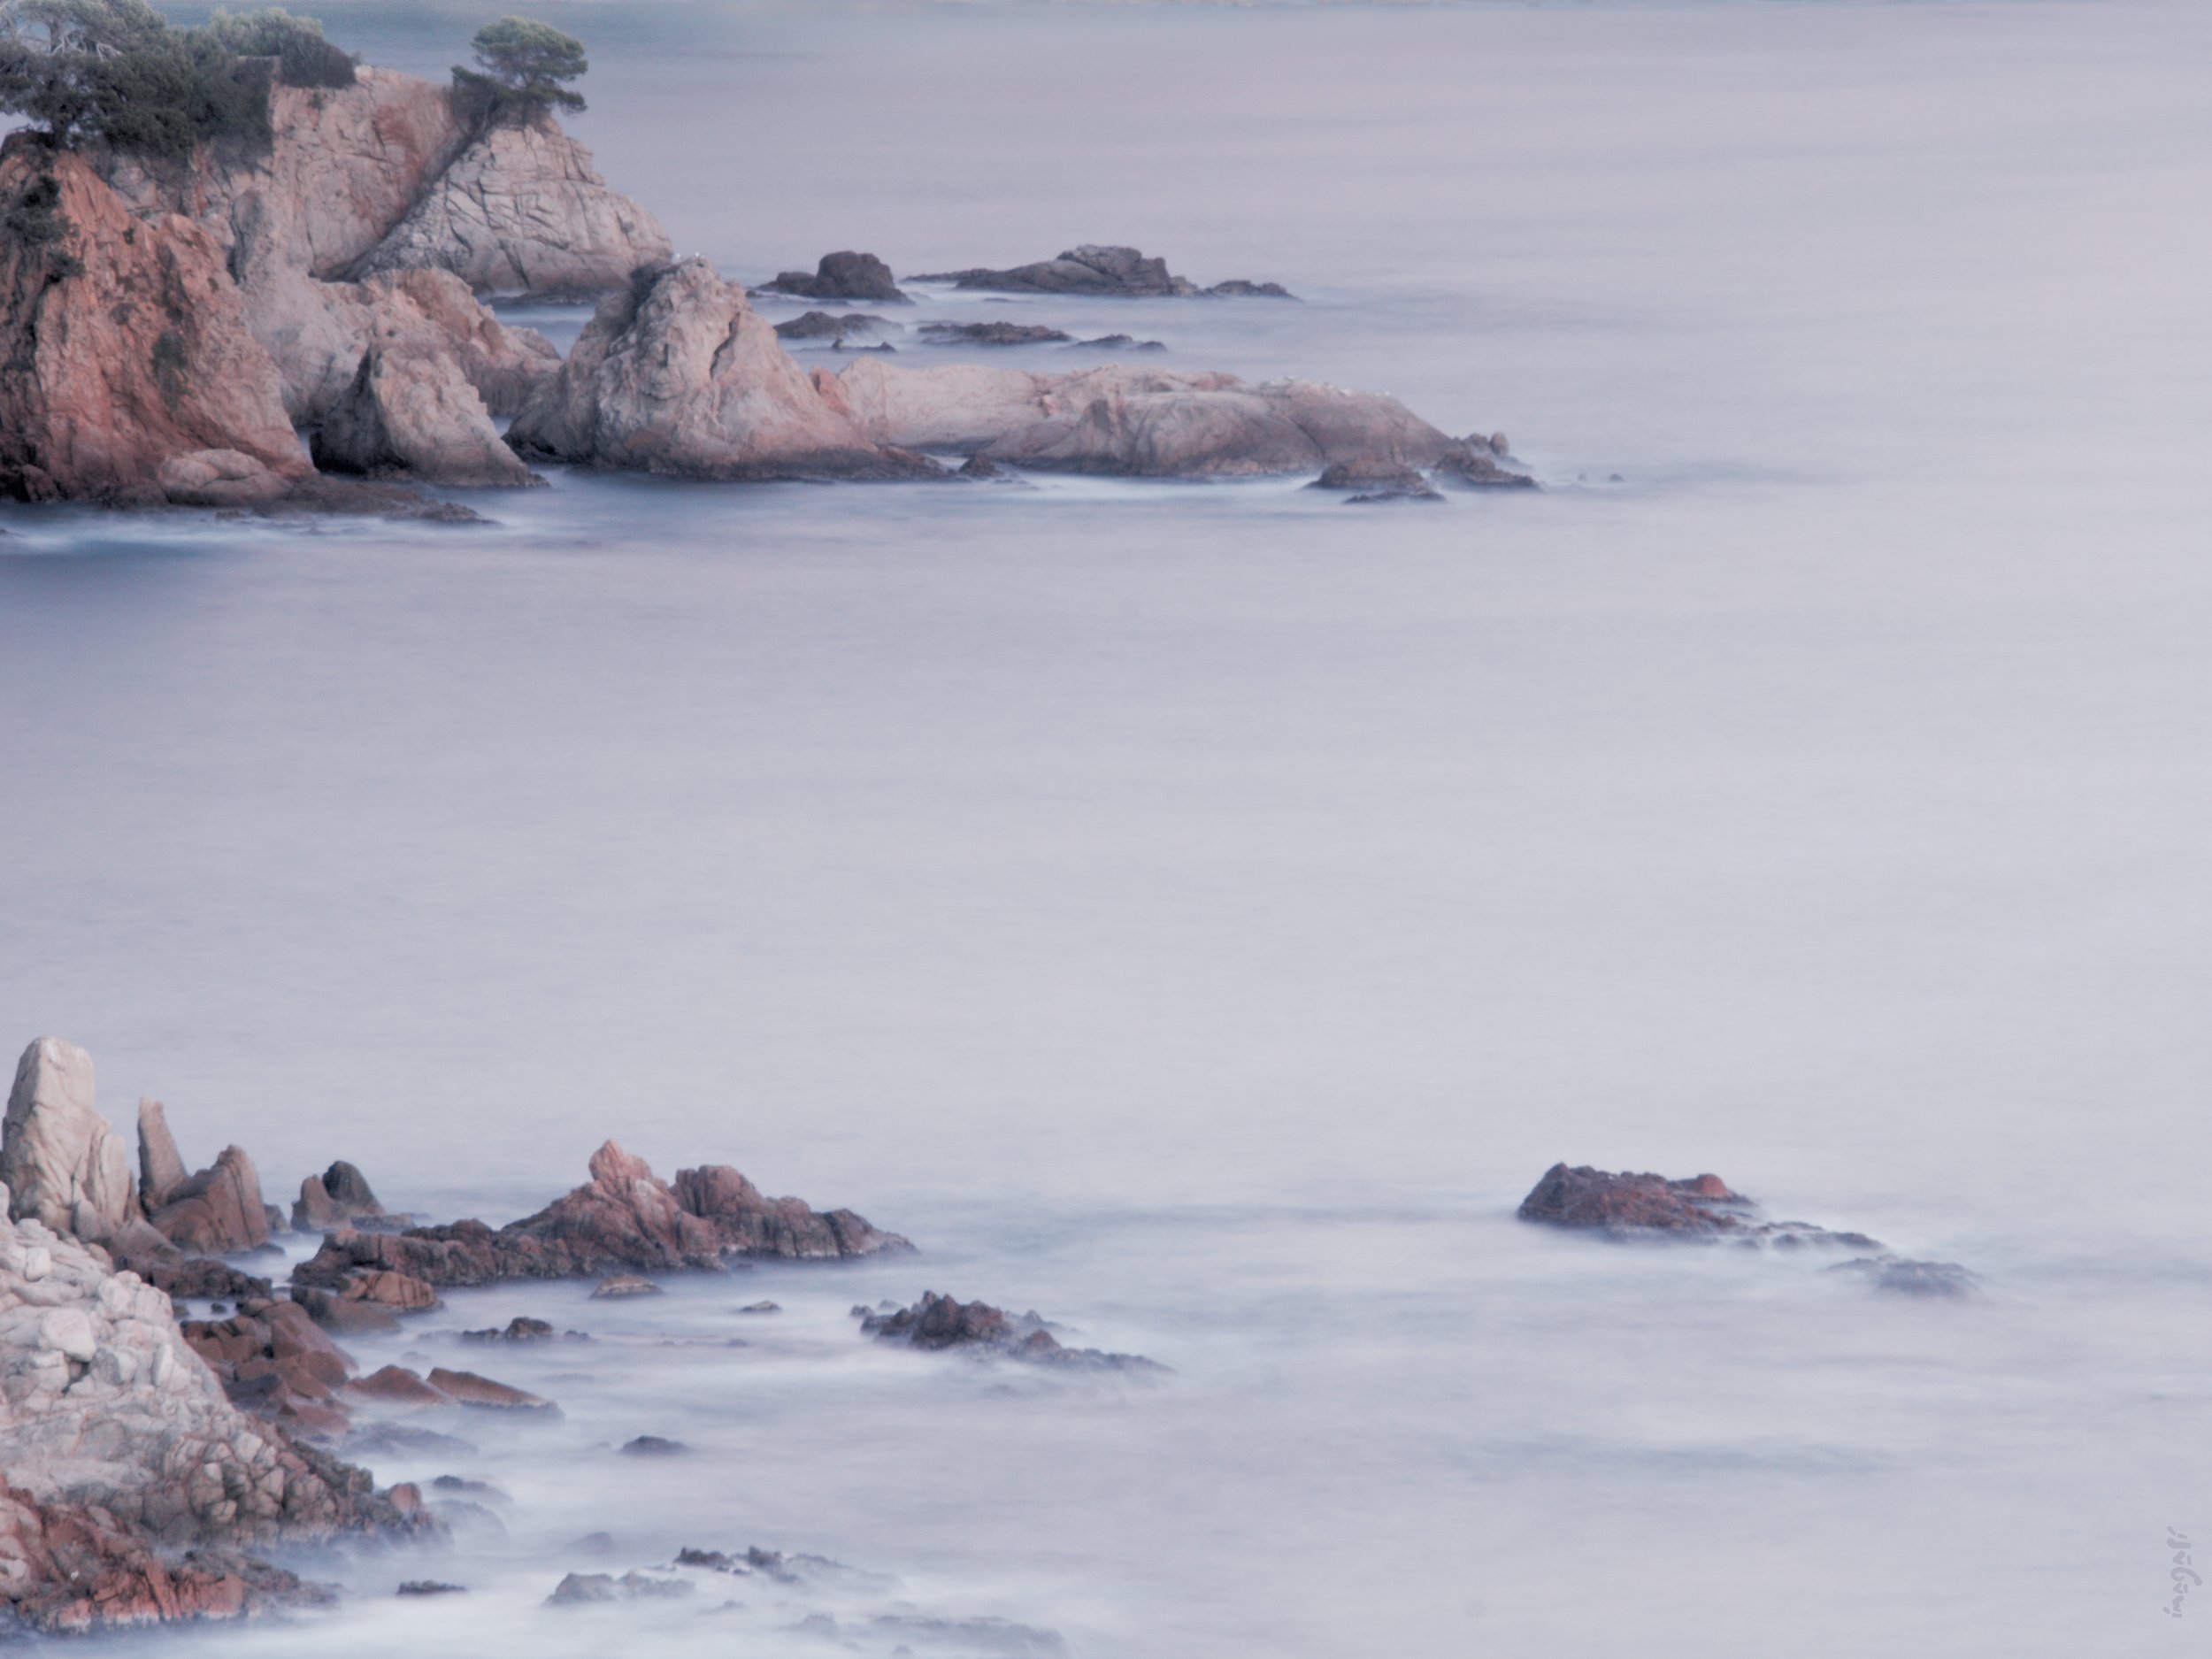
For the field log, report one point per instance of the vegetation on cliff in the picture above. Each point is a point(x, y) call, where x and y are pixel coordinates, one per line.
point(522, 70)
point(114, 72)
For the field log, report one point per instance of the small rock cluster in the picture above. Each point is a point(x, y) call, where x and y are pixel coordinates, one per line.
point(938, 1323)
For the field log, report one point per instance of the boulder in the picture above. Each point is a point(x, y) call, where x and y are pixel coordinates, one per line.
point(396, 1386)
point(521, 1328)
point(677, 375)
point(61, 1162)
point(830, 326)
point(339, 1197)
point(1364, 474)
point(124, 346)
point(654, 1446)
point(1135, 422)
point(1473, 461)
point(216, 1212)
point(843, 276)
point(521, 211)
point(346, 1315)
point(121, 1450)
point(623, 1219)
point(938, 1322)
point(1701, 1207)
point(218, 478)
point(412, 413)
point(1091, 269)
point(620, 1287)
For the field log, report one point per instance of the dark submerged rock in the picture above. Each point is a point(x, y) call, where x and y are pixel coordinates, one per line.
point(830, 326)
point(654, 1446)
point(1120, 342)
point(1905, 1277)
point(430, 1587)
point(993, 333)
point(1473, 462)
point(938, 1322)
point(1093, 269)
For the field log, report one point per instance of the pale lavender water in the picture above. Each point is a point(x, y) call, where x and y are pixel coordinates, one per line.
point(1201, 911)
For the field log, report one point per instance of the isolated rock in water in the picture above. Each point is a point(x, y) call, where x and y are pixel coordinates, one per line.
point(992, 333)
point(121, 1450)
point(522, 210)
point(1120, 342)
point(216, 1212)
point(1604, 1201)
point(939, 1322)
point(843, 276)
point(615, 1287)
point(521, 1328)
point(123, 343)
point(61, 1162)
point(412, 414)
point(1091, 269)
point(825, 325)
point(622, 1219)
point(677, 375)
point(654, 1446)
point(1135, 422)
point(1626, 1206)
point(340, 1196)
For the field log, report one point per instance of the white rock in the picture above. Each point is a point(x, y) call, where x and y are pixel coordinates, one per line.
point(70, 1330)
point(64, 1166)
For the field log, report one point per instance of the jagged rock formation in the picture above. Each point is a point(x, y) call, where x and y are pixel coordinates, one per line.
point(339, 1197)
point(1135, 422)
point(938, 1322)
point(522, 210)
point(842, 276)
point(1701, 1207)
point(160, 1166)
point(677, 375)
point(1091, 269)
point(622, 1218)
point(62, 1164)
point(126, 366)
point(121, 1450)
point(218, 1210)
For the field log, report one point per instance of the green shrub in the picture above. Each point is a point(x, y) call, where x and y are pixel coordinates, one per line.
point(522, 65)
point(114, 72)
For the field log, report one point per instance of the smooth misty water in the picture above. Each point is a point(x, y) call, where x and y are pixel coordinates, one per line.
point(1201, 911)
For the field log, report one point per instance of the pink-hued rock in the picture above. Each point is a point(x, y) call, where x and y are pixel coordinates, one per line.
point(410, 413)
point(677, 375)
point(124, 345)
point(465, 1388)
point(522, 210)
point(216, 1212)
point(396, 1386)
point(121, 1449)
point(1605, 1201)
point(338, 1197)
point(62, 1164)
point(1135, 422)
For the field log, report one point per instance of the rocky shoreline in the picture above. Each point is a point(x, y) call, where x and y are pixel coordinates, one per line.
point(154, 1457)
point(302, 326)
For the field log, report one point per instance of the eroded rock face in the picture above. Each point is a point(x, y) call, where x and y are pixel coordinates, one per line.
point(124, 345)
point(1093, 269)
point(623, 1219)
point(62, 1164)
point(938, 1322)
point(1136, 422)
point(522, 210)
point(677, 375)
point(410, 413)
point(121, 1449)
point(218, 1210)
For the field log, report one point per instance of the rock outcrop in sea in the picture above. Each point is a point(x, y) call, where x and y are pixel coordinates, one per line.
point(624, 1219)
point(841, 276)
point(938, 1323)
point(1093, 270)
point(1701, 1207)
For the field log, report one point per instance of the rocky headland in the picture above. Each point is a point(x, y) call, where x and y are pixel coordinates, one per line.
point(299, 321)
